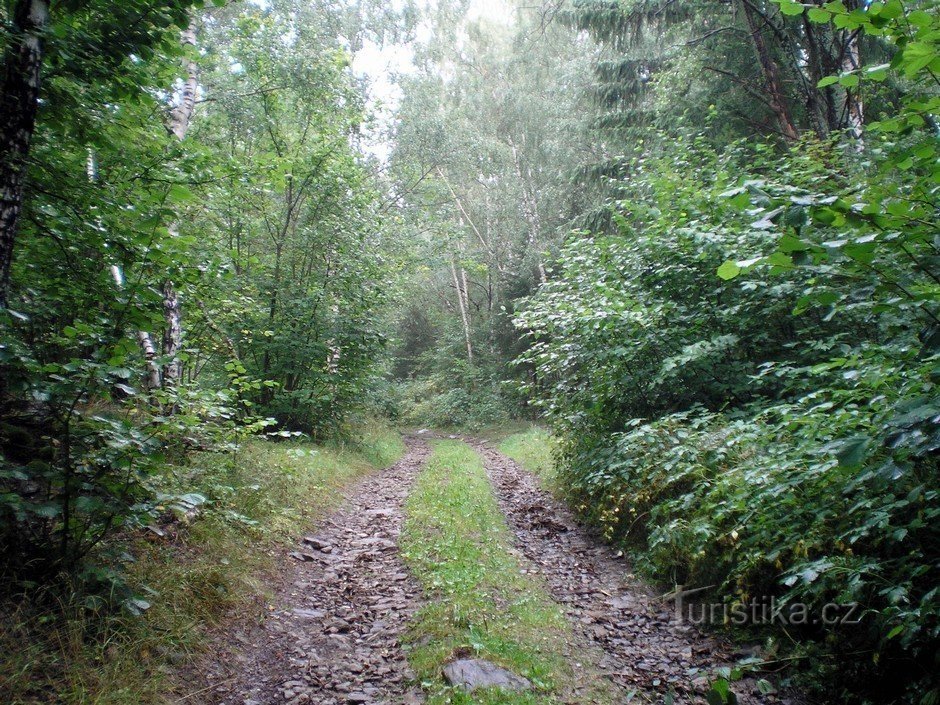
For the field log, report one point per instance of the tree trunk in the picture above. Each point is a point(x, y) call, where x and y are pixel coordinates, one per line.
point(464, 315)
point(818, 100)
point(774, 86)
point(154, 380)
point(180, 118)
point(181, 115)
point(476, 231)
point(172, 334)
point(172, 343)
point(333, 350)
point(20, 101)
point(854, 107)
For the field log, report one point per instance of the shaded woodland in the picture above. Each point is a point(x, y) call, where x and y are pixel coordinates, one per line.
point(696, 240)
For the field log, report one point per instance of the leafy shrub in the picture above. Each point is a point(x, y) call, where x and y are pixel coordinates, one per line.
point(477, 401)
point(776, 436)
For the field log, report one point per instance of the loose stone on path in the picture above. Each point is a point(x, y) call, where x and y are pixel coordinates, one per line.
point(643, 648)
point(332, 632)
point(473, 673)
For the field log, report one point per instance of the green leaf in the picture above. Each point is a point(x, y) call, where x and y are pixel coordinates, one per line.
point(819, 15)
point(796, 216)
point(878, 72)
point(827, 81)
point(916, 56)
point(852, 451)
point(787, 7)
point(788, 244)
point(48, 510)
point(728, 270)
point(863, 253)
point(765, 686)
point(920, 18)
point(892, 10)
point(181, 194)
point(849, 80)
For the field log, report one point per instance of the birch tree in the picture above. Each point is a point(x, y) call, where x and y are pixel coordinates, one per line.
point(177, 124)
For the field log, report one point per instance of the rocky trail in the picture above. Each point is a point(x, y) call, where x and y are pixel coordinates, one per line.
point(331, 634)
point(645, 650)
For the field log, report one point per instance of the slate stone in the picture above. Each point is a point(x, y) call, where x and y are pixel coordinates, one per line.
point(304, 613)
point(473, 673)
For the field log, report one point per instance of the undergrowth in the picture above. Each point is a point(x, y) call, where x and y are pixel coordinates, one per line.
point(59, 646)
point(533, 448)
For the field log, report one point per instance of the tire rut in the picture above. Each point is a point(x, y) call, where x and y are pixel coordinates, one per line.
point(331, 632)
point(645, 649)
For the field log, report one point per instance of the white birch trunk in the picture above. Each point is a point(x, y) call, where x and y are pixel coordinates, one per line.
point(178, 126)
point(154, 380)
point(464, 314)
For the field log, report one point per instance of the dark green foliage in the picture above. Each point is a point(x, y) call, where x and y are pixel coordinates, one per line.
point(117, 208)
point(744, 377)
point(297, 235)
point(75, 462)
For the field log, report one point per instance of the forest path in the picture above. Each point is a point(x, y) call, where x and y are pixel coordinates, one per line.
point(331, 634)
point(644, 649)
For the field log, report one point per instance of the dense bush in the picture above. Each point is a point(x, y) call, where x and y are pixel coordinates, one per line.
point(435, 404)
point(744, 377)
point(178, 282)
point(782, 504)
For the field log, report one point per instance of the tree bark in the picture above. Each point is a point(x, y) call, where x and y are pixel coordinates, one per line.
point(172, 343)
point(854, 107)
point(154, 379)
point(172, 334)
point(20, 102)
point(818, 100)
point(774, 86)
point(181, 115)
point(464, 315)
point(180, 118)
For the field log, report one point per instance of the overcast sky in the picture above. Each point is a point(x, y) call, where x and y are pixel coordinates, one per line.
point(380, 64)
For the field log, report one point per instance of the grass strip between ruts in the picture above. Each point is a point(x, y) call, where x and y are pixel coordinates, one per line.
point(480, 604)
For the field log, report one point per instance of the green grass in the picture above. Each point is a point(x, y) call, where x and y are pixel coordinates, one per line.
point(533, 449)
point(456, 541)
point(197, 576)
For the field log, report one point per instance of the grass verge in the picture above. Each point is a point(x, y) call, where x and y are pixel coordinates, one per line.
point(456, 541)
point(533, 448)
point(59, 648)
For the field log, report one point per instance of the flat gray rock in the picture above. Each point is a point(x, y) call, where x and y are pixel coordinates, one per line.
point(473, 673)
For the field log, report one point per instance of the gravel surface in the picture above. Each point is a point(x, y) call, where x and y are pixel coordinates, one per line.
point(644, 648)
point(332, 633)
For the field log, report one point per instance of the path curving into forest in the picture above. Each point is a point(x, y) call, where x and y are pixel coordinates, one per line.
point(331, 635)
point(644, 649)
